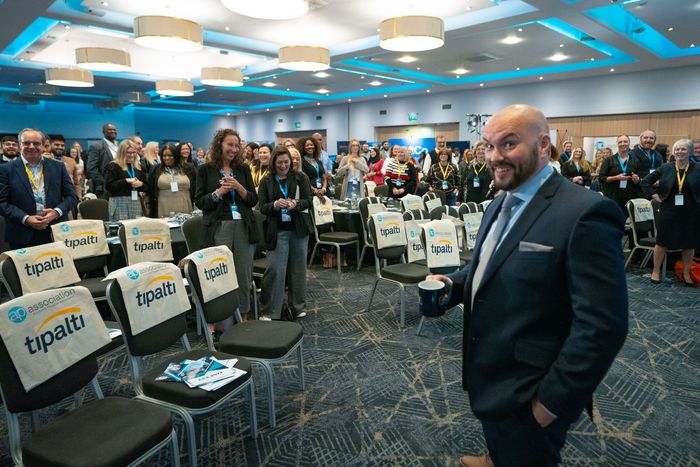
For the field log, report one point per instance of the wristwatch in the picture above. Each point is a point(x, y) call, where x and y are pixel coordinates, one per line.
point(215, 196)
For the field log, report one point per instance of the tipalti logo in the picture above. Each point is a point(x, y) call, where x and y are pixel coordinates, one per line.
point(165, 289)
point(72, 322)
point(441, 247)
point(220, 269)
point(154, 242)
point(45, 262)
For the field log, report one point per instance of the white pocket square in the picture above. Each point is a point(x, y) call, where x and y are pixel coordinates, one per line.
point(538, 247)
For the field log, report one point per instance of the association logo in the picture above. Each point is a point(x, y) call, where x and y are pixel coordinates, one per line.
point(379, 218)
point(134, 231)
point(21, 251)
point(132, 274)
point(431, 232)
point(65, 228)
point(45, 262)
point(17, 314)
point(199, 255)
point(413, 234)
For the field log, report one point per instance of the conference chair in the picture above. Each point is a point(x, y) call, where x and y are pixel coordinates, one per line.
point(335, 240)
point(417, 214)
point(364, 214)
point(473, 207)
point(381, 191)
point(94, 209)
point(432, 199)
point(261, 342)
point(176, 397)
point(643, 235)
point(483, 205)
point(437, 214)
point(400, 273)
point(105, 432)
point(369, 188)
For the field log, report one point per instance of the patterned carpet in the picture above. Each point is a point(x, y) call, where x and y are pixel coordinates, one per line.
point(379, 395)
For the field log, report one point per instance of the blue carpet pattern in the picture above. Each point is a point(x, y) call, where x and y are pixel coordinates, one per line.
point(377, 395)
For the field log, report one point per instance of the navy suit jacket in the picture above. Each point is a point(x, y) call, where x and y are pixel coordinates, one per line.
point(545, 323)
point(17, 197)
point(99, 157)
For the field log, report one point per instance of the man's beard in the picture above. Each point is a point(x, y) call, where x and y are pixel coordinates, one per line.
point(521, 173)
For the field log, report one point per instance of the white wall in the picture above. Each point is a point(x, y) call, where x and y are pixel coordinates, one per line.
point(653, 91)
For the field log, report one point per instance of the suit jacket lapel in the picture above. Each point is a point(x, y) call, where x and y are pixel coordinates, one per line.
point(537, 206)
point(22, 175)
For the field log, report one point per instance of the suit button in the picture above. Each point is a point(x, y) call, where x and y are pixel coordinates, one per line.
point(475, 340)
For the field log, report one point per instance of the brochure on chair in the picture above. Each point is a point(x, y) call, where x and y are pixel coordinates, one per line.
point(206, 373)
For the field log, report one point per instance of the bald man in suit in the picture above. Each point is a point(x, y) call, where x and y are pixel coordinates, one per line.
point(545, 299)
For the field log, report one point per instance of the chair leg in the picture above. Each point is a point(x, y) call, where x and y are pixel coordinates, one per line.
point(647, 257)
point(174, 450)
point(267, 369)
point(420, 325)
point(371, 296)
point(340, 273)
point(629, 258)
point(251, 405)
point(401, 317)
point(313, 254)
point(357, 254)
point(255, 299)
point(191, 436)
point(362, 256)
point(300, 355)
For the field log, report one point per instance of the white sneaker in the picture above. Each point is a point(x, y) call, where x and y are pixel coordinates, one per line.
point(264, 318)
point(301, 314)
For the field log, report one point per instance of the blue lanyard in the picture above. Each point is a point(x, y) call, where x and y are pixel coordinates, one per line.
point(131, 172)
point(652, 156)
point(170, 172)
point(578, 168)
point(313, 164)
point(623, 166)
point(284, 189)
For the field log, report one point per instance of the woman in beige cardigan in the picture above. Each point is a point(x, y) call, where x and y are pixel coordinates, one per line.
point(352, 168)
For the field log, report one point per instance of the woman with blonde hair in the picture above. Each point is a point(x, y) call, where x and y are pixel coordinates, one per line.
point(352, 168)
point(150, 156)
point(577, 169)
point(296, 159)
point(124, 180)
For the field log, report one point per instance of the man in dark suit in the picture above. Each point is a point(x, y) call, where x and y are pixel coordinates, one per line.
point(545, 299)
point(99, 157)
point(35, 192)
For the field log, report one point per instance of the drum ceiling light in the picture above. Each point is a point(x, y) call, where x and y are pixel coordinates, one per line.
point(411, 33)
point(304, 58)
point(167, 33)
point(218, 76)
point(70, 77)
point(174, 87)
point(102, 59)
point(268, 9)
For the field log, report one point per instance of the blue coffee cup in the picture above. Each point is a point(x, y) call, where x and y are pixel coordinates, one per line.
point(431, 300)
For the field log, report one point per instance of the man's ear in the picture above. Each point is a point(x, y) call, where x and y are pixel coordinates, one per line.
point(544, 144)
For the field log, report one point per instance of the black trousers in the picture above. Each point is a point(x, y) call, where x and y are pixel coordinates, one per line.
point(519, 441)
point(39, 237)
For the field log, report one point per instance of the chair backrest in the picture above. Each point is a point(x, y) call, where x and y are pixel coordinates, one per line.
point(94, 209)
point(392, 252)
point(415, 214)
point(122, 241)
point(150, 341)
point(364, 214)
point(473, 207)
point(381, 190)
point(462, 210)
point(436, 214)
point(10, 279)
point(94, 263)
point(442, 195)
point(640, 229)
point(369, 188)
point(260, 218)
point(53, 390)
point(429, 202)
point(215, 310)
point(193, 231)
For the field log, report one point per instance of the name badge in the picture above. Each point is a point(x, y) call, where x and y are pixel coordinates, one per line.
point(652, 171)
point(444, 185)
point(477, 183)
point(235, 215)
point(398, 182)
point(40, 209)
point(623, 183)
point(678, 200)
point(134, 195)
point(285, 215)
point(173, 186)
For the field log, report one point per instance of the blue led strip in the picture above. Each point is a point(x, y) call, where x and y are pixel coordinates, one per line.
point(623, 22)
point(274, 104)
point(33, 33)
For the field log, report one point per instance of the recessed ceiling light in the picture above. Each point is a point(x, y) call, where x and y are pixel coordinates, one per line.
point(322, 91)
point(520, 29)
point(291, 106)
point(287, 89)
point(427, 90)
point(385, 95)
point(21, 59)
point(362, 77)
point(318, 103)
point(561, 45)
point(541, 78)
point(460, 71)
point(481, 85)
point(228, 114)
point(592, 59)
point(321, 74)
point(246, 78)
point(558, 57)
point(269, 84)
point(67, 26)
point(418, 68)
point(670, 29)
point(517, 69)
point(246, 111)
point(267, 110)
point(692, 45)
point(612, 69)
point(510, 40)
point(362, 89)
point(407, 59)
point(458, 76)
point(349, 100)
point(375, 83)
point(274, 77)
point(227, 28)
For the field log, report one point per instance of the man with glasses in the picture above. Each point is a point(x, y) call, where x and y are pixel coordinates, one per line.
point(10, 149)
point(35, 192)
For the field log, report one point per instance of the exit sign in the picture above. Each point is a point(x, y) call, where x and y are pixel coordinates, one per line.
point(297, 124)
point(412, 117)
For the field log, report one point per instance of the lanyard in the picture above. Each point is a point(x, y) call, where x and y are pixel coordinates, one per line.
point(259, 174)
point(313, 164)
point(400, 168)
point(680, 180)
point(578, 168)
point(131, 172)
point(444, 172)
point(477, 172)
point(284, 189)
point(652, 157)
point(171, 173)
point(35, 182)
point(623, 166)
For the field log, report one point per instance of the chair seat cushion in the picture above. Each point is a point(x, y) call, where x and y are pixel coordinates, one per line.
point(260, 265)
point(411, 273)
point(338, 237)
point(261, 339)
point(181, 394)
point(113, 431)
point(647, 241)
point(421, 262)
point(114, 344)
point(97, 288)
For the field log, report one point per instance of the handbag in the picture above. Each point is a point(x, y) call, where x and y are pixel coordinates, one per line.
point(288, 314)
point(694, 270)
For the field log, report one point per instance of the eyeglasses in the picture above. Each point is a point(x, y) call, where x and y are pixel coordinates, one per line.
point(28, 144)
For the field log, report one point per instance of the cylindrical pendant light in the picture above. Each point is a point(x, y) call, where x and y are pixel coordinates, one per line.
point(70, 77)
point(174, 87)
point(411, 33)
point(167, 33)
point(268, 9)
point(102, 59)
point(304, 58)
point(217, 76)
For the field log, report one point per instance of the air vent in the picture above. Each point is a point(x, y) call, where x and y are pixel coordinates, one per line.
point(13, 98)
point(382, 112)
point(318, 117)
point(446, 106)
point(108, 104)
point(483, 57)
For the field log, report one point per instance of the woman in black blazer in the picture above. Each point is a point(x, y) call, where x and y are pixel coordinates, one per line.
point(618, 174)
point(285, 198)
point(678, 221)
point(577, 169)
point(125, 181)
point(226, 195)
point(477, 177)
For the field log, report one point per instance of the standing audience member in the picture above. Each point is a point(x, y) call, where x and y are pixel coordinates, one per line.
point(400, 173)
point(477, 177)
point(251, 152)
point(323, 156)
point(352, 168)
point(532, 363)
point(200, 157)
point(696, 150)
point(376, 167)
point(432, 157)
point(678, 220)
point(555, 159)
point(618, 174)
point(100, 155)
point(595, 168)
point(58, 148)
point(124, 181)
point(311, 165)
point(171, 184)
point(260, 167)
point(10, 149)
point(150, 156)
point(28, 216)
point(226, 195)
point(296, 160)
point(566, 152)
point(185, 151)
point(577, 169)
point(648, 159)
point(285, 198)
point(443, 176)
